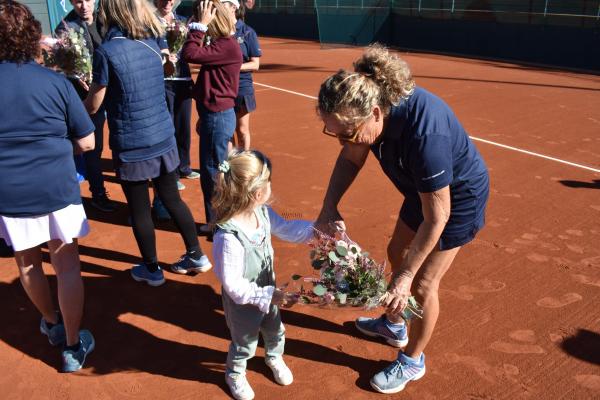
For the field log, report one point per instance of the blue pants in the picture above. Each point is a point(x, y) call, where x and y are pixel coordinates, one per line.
point(179, 103)
point(92, 159)
point(216, 130)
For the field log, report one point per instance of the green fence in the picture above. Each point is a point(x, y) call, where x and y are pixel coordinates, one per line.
point(358, 22)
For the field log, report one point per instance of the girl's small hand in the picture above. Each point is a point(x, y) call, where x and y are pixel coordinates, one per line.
point(206, 12)
point(278, 298)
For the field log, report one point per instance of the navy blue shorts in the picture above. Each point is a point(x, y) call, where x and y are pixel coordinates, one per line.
point(462, 226)
point(245, 103)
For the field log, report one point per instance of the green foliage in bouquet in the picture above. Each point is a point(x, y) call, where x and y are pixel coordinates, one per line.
point(176, 36)
point(70, 55)
point(347, 276)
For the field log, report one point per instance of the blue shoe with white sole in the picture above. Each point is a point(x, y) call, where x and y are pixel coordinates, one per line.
point(395, 376)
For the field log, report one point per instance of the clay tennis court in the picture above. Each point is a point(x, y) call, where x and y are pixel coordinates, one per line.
point(520, 306)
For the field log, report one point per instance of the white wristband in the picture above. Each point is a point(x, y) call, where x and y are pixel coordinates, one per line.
point(197, 26)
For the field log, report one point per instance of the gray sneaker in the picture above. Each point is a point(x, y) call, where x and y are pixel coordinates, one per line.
point(74, 360)
point(395, 376)
point(187, 264)
point(377, 327)
point(56, 334)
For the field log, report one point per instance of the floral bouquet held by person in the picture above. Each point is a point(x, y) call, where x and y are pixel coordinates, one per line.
point(347, 277)
point(69, 54)
point(176, 36)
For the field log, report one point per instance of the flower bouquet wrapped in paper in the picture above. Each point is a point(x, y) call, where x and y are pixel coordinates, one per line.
point(176, 34)
point(69, 54)
point(347, 277)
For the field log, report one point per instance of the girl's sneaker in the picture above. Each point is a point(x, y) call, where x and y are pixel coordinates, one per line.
point(394, 378)
point(281, 372)
point(239, 386)
point(140, 273)
point(187, 264)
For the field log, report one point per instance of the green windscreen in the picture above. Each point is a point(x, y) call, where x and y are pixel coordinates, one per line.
point(353, 22)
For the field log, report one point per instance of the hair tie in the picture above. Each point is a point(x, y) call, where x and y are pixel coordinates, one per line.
point(224, 167)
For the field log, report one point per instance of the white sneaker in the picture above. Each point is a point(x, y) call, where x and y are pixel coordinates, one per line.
point(239, 386)
point(281, 372)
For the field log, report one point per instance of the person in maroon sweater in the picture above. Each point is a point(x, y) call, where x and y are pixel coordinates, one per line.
point(211, 43)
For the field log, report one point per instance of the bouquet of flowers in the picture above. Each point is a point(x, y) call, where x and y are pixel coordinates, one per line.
point(176, 35)
point(69, 54)
point(347, 276)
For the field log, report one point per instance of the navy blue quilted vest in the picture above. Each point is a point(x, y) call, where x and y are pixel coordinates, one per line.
point(135, 102)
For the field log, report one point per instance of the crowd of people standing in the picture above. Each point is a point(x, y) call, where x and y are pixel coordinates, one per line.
point(376, 108)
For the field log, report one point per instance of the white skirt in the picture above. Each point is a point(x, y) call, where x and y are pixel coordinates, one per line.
point(23, 233)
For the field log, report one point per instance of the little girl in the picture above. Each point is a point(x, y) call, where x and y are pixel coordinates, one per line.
point(244, 264)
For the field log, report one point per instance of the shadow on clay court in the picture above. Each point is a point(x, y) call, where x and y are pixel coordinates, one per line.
point(121, 217)
point(595, 184)
point(137, 327)
point(584, 345)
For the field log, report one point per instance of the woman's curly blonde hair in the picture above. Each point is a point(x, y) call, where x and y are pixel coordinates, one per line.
point(379, 79)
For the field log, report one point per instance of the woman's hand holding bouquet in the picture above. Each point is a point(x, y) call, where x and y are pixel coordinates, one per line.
point(349, 277)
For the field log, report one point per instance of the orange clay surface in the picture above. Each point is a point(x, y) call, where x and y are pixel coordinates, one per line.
point(520, 312)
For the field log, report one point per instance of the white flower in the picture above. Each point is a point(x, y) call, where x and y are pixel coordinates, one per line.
point(341, 243)
point(328, 297)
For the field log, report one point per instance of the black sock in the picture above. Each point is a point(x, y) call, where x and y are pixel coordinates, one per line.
point(75, 347)
point(195, 254)
point(152, 267)
point(58, 321)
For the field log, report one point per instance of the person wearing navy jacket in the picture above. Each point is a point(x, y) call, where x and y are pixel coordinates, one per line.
point(245, 102)
point(426, 153)
point(215, 90)
point(178, 87)
point(83, 17)
point(128, 77)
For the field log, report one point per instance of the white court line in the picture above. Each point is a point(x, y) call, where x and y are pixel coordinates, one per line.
point(531, 153)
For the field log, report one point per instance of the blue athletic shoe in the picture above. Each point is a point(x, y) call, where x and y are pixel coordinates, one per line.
point(140, 273)
point(395, 377)
point(56, 334)
point(74, 360)
point(188, 264)
point(378, 327)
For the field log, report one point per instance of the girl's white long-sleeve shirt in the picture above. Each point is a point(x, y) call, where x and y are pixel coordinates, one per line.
point(228, 254)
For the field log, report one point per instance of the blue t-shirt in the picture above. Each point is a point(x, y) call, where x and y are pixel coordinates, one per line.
point(424, 148)
point(246, 37)
point(40, 113)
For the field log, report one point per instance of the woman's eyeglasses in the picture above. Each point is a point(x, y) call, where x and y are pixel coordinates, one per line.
point(350, 138)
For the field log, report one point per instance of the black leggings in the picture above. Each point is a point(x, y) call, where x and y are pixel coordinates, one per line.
point(138, 200)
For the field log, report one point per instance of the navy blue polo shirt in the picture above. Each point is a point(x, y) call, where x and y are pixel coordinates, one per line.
point(424, 148)
point(246, 37)
point(40, 113)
